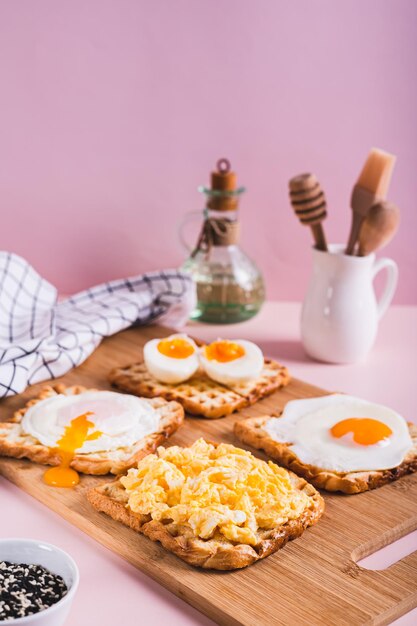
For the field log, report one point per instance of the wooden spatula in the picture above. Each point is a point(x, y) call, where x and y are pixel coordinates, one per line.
point(308, 201)
point(379, 227)
point(371, 187)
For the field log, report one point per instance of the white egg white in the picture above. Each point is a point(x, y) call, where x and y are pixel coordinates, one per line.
point(123, 419)
point(168, 369)
point(305, 425)
point(240, 370)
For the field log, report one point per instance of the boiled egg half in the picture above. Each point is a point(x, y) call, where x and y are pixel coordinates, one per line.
point(173, 359)
point(342, 433)
point(232, 362)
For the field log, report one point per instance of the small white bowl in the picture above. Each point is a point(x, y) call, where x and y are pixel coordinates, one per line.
point(55, 560)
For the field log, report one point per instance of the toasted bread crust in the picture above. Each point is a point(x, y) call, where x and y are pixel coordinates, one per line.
point(218, 554)
point(251, 432)
point(14, 443)
point(200, 395)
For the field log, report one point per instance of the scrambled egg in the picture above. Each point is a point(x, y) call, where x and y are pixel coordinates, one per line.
point(214, 490)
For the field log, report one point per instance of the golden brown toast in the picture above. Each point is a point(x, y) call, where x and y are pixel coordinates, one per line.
point(200, 395)
point(15, 443)
point(251, 432)
point(217, 553)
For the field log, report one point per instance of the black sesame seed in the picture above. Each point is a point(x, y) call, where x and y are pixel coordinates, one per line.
point(27, 589)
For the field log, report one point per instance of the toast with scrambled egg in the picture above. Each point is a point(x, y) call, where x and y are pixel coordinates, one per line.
point(14, 442)
point(251, 431)
point(200, 395)
point(214, 506)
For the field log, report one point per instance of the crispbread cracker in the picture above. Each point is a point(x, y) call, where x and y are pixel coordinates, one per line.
point(251, 432)
point(218, 553)
point(15, 443)
point(200, 395)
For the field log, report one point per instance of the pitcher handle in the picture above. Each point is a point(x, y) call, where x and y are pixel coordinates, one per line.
point(188, 217)
point(391, 284)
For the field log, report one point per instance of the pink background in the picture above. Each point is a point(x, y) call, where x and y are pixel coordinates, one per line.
point(114, 111)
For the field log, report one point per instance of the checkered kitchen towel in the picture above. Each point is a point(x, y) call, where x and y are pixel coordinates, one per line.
point(41, 338)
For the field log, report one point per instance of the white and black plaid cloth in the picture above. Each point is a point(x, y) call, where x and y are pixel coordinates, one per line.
point(42, 338)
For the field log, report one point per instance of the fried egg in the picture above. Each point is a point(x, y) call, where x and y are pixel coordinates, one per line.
point(231, 362)
point(173, 359)
point(342, 433)
point(115, 420)
point(214, 491)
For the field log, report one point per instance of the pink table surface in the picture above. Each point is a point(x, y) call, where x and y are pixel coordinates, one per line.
point(112, 591)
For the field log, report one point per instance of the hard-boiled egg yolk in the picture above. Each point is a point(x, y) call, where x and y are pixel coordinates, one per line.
point(73, 438)
point(224, 351)
point(366, 431)
point(177, 348)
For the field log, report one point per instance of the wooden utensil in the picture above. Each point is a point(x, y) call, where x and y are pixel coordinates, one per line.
point(309, 203)
point(378, 227)
point(371, 187)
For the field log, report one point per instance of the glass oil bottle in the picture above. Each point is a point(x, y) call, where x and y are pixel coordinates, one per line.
point(230, 287)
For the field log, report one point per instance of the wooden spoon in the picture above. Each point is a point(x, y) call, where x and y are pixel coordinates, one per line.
point(378, 227)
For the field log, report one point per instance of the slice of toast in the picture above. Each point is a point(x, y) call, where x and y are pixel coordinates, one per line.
point(200, 395)
point(251, 432)
point(218, 553)
point(15, 443)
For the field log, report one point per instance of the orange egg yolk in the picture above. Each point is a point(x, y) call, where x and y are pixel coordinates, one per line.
point(177, 348)
point(73, 438)
point(366, 431)
point(224, 351)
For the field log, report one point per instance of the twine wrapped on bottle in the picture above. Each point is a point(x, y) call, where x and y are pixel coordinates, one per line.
point(216, 232)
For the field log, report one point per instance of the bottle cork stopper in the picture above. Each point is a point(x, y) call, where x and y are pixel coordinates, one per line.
point(223, 179)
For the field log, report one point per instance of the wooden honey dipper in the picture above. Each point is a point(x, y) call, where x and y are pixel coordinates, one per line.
point(309, 203)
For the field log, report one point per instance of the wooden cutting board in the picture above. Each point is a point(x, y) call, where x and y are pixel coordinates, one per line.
point(313, 580)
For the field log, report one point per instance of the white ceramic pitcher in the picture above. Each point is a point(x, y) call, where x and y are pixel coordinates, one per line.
point(340, 313)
